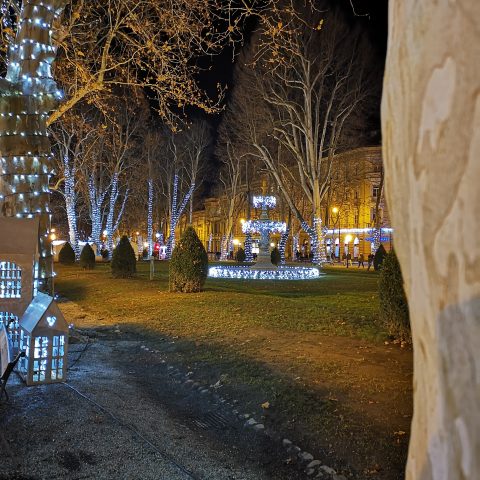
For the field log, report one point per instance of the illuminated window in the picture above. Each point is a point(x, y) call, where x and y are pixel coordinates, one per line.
point(58, 352)
point(40, 355)
point(13, 327)
point(10, 280)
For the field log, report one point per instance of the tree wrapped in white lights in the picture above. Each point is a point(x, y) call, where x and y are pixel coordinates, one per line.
point(28, 94)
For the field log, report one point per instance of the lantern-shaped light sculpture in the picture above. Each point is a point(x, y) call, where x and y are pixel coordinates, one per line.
point(44, 339)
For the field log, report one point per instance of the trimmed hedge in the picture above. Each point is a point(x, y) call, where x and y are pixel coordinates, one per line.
point(240, 256)
point(379, 257)
point(188, 266)
point(124, 263)
point(87, 257)
point(393, 301)
point(275, 256)
point(66, 256)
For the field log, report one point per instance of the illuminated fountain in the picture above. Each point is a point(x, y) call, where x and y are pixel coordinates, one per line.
point(263, 269)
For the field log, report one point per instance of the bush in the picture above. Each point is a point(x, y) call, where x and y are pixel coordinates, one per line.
point(66, 255)
point(87, 257)
point(275, 256)
point(393, 301)
point(104, 253)
point(189, 264)
point(240, 255)
point(124, 263)
point(379, 257)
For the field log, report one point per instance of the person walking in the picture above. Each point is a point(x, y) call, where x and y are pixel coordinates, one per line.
point(349, 259)
point(361, 261)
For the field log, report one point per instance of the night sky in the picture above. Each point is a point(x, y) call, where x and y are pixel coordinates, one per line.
point(371, 15)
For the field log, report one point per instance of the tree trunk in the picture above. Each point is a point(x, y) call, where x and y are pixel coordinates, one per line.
point(27, 92)
point(150, 218)
point(431, 131)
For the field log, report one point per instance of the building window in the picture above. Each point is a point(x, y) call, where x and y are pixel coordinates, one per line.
point(12, 325)
point(40, 356)
point(10, 280)
point(58, 352)
point(375, 191)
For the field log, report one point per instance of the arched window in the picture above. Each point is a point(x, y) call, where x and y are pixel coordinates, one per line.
point(10, 280)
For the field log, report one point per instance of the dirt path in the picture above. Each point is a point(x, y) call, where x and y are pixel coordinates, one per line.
point(123, 415)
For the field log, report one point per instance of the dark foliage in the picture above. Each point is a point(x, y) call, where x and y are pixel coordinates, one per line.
point(87, 257)
point(275, 256)
point(66, 255)
point(189, 264)
point(124, 263)
point(104, 254)
point(379, 257)
point(240, 255)
point(393, 301)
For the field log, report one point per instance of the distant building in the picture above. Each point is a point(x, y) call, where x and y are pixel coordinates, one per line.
point(350, 211)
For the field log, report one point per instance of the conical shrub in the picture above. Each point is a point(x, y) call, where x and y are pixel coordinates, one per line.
point(379, 257)
point(124, 263)
point(275, 256)
point(393, 301)
point(240, 256)
point(189, 264)
point(87, 257)
point(66, 256)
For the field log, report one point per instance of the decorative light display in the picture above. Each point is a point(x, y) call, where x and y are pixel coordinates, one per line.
point(295, 242)
point(259, 226)
point(249, 273)
point(176, 213)
point(29, 93)
point(248, 248)
point(283, 244)
point(150, 218)
point(264, 202)
point(70, 195)
point(357, 230)
point(210, 240)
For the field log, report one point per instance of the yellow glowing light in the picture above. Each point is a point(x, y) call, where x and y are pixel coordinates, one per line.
point(145, 244)
point(53, 230)
point(348, 239)
point(242, 221)
point(272, 245)
point(53, 236)
point(138, 233)
point(335, 210)
point(235, 241)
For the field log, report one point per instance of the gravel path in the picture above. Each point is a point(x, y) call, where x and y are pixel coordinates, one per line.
point(122, 416)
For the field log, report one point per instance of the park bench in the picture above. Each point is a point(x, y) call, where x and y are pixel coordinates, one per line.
point(6, 374)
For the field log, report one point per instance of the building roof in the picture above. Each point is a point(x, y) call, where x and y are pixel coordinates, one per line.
point(18, 235)
point(35, 313)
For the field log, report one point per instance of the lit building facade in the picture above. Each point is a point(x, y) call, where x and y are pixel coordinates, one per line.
point(354, 206)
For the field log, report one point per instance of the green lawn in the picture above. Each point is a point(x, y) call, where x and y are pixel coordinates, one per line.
point(313, 349)
point(342, 302)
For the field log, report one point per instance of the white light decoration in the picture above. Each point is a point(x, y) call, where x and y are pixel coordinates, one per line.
point(248, 248)
point(176, 212)
point(264, 202)
point(259, 226)
point(150, 218)
point(51, 320)
point(29, 93)
point(280, 273)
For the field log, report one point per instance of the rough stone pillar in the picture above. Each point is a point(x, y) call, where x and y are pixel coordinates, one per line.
point(431, 131)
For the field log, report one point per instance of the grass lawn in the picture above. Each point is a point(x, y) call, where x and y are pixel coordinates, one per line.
point(312, 349)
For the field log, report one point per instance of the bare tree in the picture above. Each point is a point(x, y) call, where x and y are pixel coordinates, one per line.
point(307, 86)
point(73, 141)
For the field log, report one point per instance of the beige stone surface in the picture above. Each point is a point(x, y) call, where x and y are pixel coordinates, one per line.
point(431, 128)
